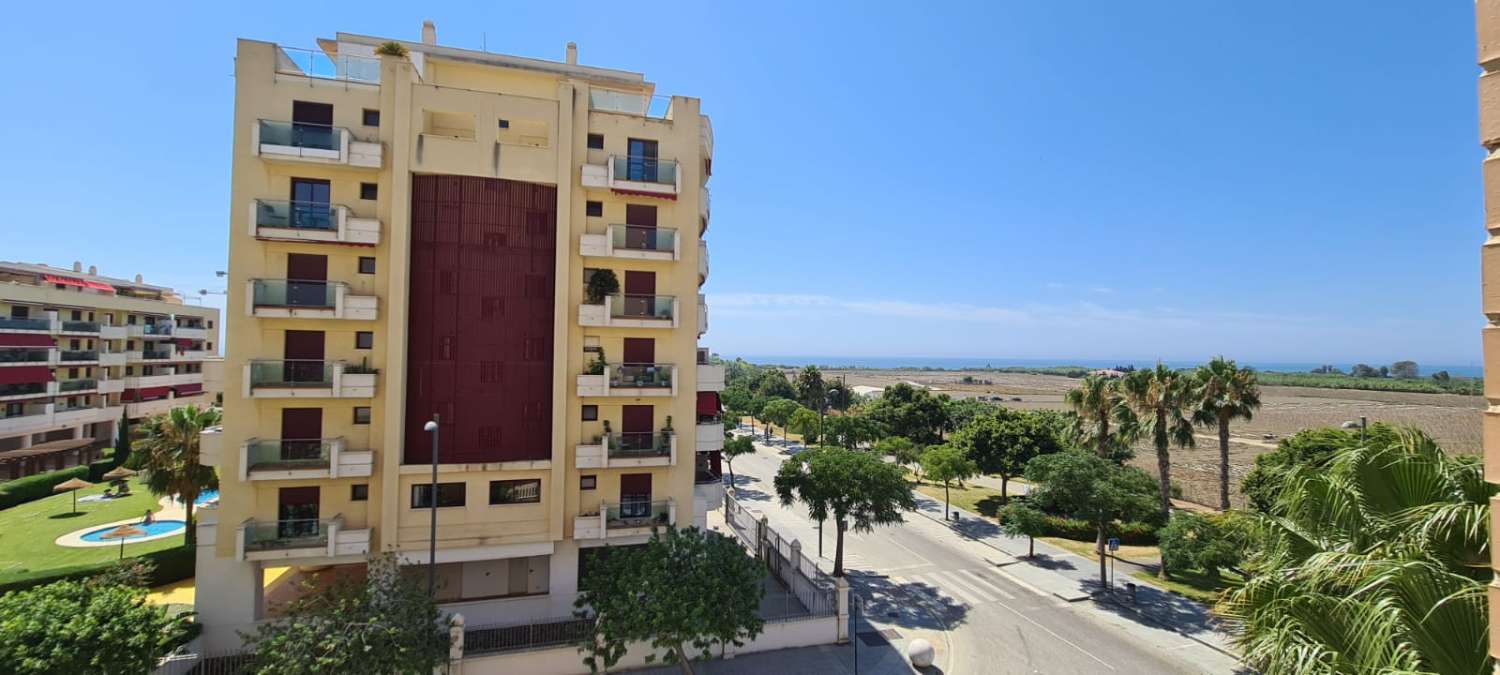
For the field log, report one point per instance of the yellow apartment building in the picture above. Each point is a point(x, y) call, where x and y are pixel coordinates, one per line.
point(1488, 25)
point(412, 237)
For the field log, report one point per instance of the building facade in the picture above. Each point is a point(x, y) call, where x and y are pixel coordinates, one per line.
point(431, 236)
point(1487, 24)
point(80, 351)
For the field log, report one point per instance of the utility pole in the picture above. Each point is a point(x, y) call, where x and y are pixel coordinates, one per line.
point(1363, 422)
point(432, 499)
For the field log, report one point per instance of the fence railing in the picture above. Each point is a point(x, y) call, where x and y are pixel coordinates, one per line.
point(24, 324)
point(479, 640)
point(288, 453)
point(296, 215)
point(642, 238)
point(808, 591)
point(23, 355)
point(635, 306)
point(640, 375)
point(316, 294)
point(314, 63)
point(81, 326)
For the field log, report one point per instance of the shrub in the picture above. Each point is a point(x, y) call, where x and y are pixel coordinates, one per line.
point(391, 48)
point(37, 486)
point(1195, 541)
point(95, 626)
point(602, 283)
point(168, 566)
point(1134, 533)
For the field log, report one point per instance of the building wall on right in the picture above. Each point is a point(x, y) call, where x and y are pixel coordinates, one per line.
point(1487, 24)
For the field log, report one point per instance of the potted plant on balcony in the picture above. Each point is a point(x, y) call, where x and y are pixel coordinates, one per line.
point(596, 367)
point(605, 437)
point(601, 283)
point(391, 48)
point(666, 433)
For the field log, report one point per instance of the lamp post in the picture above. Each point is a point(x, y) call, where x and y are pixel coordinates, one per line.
point(432, 428)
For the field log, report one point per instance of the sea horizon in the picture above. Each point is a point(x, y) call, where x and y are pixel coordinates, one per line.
point(964, 362)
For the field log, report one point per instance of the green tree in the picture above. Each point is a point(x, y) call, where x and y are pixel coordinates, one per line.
point(684, 591)
point(736, 446)
point(904, 410)
point(839, 396)
point(1309, 447)
point(1195, 541)
point(806, 423)
point(812, 393)
point(1002, 444)
point(900, 448)
point(947, 465)
point(1375, 561)
point(1101, 419)
point(961, 411)
point(122, 440)
point(855, 489)
point(737, 396)
point(385, 623)
point(86, 626)
point(1406, 370)
point(171, 460)
point(1226, 392)
point(1085, 486)
point(849, 431)
point(1162, 399)
point(778, 411)
point(773, 384)
point(602, 283)
point(1020, 519)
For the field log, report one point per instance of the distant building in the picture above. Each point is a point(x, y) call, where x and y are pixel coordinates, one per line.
point(867, 391)
point(1107, 372)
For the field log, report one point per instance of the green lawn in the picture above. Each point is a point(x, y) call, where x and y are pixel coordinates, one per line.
point(971, 497)
point(1193, 584)
point(27, 532)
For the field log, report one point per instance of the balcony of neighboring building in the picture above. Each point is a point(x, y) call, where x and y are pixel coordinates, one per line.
point(169, 378)
point(307, 299)
point(300, 539)
point(708, 485)
point(625, 519)
point(77, 387)
point(710, 374)
point(703, 209)
point(702, 314)
point(632, 242)
point(41, 325)
point(293, 459)
point(305, 142)
point(308, 379)
point(287, 220)
point(702, 262)
point(140, 409)
point(18, 388)
point(37, 416)
point(635, 175)
point(48, 323)
point(635, 380)
point(161, 353)
point(630, 311)
point(160, 330)
point(628, 449)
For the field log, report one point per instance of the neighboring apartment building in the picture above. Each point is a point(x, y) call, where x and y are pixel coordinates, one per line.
point(1488, 25)
point(78, 351)
point(412, 237)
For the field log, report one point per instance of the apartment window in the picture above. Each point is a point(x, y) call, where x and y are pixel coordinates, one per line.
point(364, 340)
point(489, 372)
point(72, 373)
point(369, 191)
point(593, 209)
point(590, 413)
point(371, 117)
point(129, 370)
point(73, 344)
point(77, 315)
point(516, 491)
point(366, 265)
point(362, 415)
point(596, 141)
point(359, 492)
point(448, 495)
point(504, 124)
point(588, 482)
point(129, 321)
point(210, 323)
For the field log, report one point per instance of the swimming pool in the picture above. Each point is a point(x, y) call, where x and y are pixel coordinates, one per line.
point(205, 497)
point(155, 529)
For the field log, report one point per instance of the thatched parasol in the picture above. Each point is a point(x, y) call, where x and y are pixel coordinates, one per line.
point(122, 533)
point(72, 485)
point(118, 473)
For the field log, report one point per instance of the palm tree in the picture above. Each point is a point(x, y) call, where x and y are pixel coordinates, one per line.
point(1225, 392)
point(1376, 561)
point(1101, 418)
point(169, 443)
point(1162, 398)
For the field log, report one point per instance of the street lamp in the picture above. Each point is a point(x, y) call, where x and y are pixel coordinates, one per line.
point(432, 428)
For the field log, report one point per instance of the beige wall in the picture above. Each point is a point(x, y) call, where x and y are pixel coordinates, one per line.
point(1488, 24)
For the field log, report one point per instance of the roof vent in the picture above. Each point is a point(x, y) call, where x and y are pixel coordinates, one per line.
point(429, 33)
point(139, 279)
point(93, 270)
point(572, 53)
point(77, 266)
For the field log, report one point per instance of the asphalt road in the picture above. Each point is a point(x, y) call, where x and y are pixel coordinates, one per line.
point(922, 578)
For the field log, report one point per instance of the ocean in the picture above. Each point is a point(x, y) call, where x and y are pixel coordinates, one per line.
point(958, 363)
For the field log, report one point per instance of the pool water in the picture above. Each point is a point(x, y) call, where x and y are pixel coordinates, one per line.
point(157, 528)
point(205, 497)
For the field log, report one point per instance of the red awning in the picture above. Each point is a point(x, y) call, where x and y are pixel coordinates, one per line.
point(98, 286)
point(189, 389)
point(145, 393)
point(25, 374)
point(708, 403)
point(70, 281)
point(25, 340)
point(183, 343)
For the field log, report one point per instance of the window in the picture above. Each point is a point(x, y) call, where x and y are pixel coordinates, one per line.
point(366, 265)
point(359, 492)
point(593, 209)
point(77, 315)
point(210, 323)
point(362, 415)
point(516, 491)
point(590, 413)
point(369, 191)
point(448, 494)
point(504, 124)
point(72, 373)
point(596, 141)
point(588, 482)
point(364, 339)
point(371, 117)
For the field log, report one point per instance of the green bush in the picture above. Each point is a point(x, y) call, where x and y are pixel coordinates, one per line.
point(37, 486)
point(170, 565)
point(1132, 533)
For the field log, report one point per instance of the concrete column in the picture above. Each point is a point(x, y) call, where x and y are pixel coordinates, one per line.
point(231, 593)
point(79, 432)
point(456, 645)
point(25, 441)
point(842, 589)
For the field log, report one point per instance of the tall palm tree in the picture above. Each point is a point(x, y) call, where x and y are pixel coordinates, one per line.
point(1162, 398)
point(1376, 561)
point(1103, 421)
point(169, 443)
point(1226, 392)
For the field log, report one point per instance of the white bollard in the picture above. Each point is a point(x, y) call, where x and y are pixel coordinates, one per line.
point(920, 653)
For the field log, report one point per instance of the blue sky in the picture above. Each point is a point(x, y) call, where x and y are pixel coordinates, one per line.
point(1276, 181)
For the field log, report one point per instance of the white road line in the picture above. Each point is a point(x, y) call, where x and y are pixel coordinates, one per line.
point(945, 589)
point(953, 579)
point(989, 583)
point(1049, 631)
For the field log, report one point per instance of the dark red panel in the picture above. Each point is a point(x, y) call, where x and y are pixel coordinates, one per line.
point(635, 485)
point(25, 340)
point(479, 335)
point(25, 374)
point(145, 393)
point(188, 389)
point(708, 403)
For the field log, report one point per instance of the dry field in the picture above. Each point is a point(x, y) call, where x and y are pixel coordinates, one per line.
point(1451, 419)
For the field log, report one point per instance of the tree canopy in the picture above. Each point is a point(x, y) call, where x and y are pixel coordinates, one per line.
point(856, 490)
point(1085, 486)
point(1310, 448)
point(778, 411)
point(812, 393)
point(1195, 541)
point(1224, 392)
point(1003, 443)
point(735, 446)
point(171, 458)
point(849, 431)
point(904, 410)
point(947, 464)
point(805, 422)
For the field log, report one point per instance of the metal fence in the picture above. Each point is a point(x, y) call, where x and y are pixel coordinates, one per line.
point(791, 570)
point(491, 639)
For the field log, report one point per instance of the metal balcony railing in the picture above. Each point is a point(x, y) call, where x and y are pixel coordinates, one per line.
point(81, 326)
point(24, 324)
point(640, 375)
point(632, 306)
point(640, 238)
point(22, 388)
point(78, 355)
point(646, 169)
point(23, 355)
point(637, 513)
point(155, 354)
point(317, 63)
point(659, 107)
point(284, 534)
point(296, 215)
point(78, 385)
point(156, 329)
point(628, 444)
point(301, 135)
point(288, 453)
point(295, 293)
point(293, 373)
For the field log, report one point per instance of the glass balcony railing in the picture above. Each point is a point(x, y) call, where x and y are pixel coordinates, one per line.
point(316, 63)
point(23, 355)
point(631, 306)
point(22, 388)
point(81, 326)
point(156, 329)
point(637, 513)
point(301, 135)
point(294, 293)
point(296, 373)
point(646, 170)
point(24, 324)
point(284, 534)
point(638, 238)
point(78, 385)
point(296, 215)
point(155, 354)
point(289, 454)
point(641, 375)
point(78, 355)
point(659, 107)
point(627, 444)
point(7, 414)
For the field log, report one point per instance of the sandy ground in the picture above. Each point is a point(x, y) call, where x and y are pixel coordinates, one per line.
point(1453, 420)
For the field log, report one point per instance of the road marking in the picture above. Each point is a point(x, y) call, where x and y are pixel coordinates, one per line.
point(1049, 631)
point(958, 581)
point(989, 583)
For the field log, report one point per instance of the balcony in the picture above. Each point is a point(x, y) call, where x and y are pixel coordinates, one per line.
point(647, 176)
point(24, 390)
point(631, 242)
point(191, 355)
point(161, 380)
point(705, 136)
point(77, 357)
point(10, 325)
point(26, 356)
point(709, 436)
point(111, 386)
point(313, 143)
point(112, 359)
point(80, 328)
point(190, 332)
point(76, 387)
point(308, 379)
point(632, 380)
point(625, 519)
point(311, 221)
point(110, 332)
point(286, 298)
point(150, 331)
point(44, 416)
point(149, 355)
point(291, 459)
point(85, 415)
point(628, 449)
point(704, 204)
point(702, 262)
point(300, 539)
point(317, 64)
point(710, 375)
point(630, 311)
point(159, 406)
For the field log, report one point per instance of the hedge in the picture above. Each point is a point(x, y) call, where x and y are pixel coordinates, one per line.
point(171, 565)
point(38, 486)
point(1132, 533)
